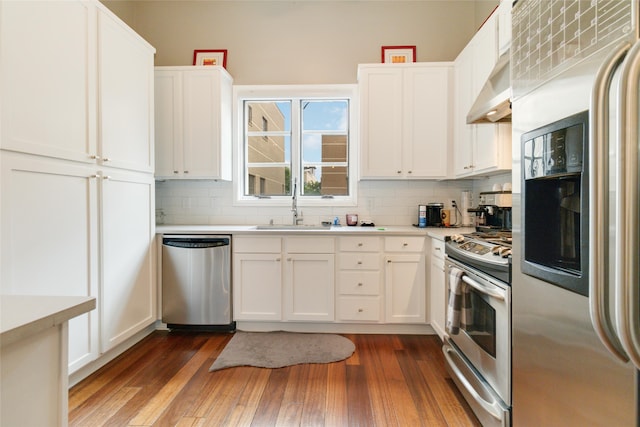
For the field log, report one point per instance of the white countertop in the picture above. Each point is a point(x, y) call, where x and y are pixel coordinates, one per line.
point(435, 232)
point(25, 315)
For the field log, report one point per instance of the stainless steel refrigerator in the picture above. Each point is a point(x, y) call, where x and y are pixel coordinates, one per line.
point(575, 65)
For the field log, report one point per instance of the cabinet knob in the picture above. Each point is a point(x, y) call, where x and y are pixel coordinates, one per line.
point(186, 171)
point(277, 259)
point(106, 177)
point(359, 262)
point(398, 171)
point(176, 172)
point(359, 244)
point(409, 171)
point(388, 261)
point(360, 310)
point(106, 159)
point(94, 157)
point(289, 259)
point(405, 245)
point(360, 284)
point(437, 249)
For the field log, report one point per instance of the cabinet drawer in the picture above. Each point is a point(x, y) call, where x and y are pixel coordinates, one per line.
point(437, 249)
point(356, 261)
point(360, 244)
point(359, 309)
point(404, 244)
point(257, 245)
point(359, 282)
point(310, 245)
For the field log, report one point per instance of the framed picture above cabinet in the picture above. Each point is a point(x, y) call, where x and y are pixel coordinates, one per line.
point(398, 54)
point(210, 57)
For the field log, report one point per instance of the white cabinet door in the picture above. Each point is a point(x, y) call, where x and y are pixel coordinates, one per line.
point(128, 292)
point(381, 110)
point(479, 149)
point(257, 286)
point(427, 127)
point(437, 287)
point(310, 287)
point(49, 239)
point(405, 117)
point(193, 123)
point(405, 288)
point(125, 69)
point(168, 123)
point(46, 109)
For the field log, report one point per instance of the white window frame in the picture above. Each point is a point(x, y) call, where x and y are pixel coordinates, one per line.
point(242, 93)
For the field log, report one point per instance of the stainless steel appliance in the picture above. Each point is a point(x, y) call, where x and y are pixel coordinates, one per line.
point(575, 356)
point(477, 348)
point(434, 214)
point(493, 211)
point(196, 282)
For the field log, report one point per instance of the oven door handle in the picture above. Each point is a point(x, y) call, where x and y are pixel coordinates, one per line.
point(493, 408)
point(482, 289)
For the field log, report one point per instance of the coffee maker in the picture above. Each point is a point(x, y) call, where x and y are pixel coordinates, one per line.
point(493, 212)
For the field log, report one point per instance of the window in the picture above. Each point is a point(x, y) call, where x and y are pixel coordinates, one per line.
point(304, 144)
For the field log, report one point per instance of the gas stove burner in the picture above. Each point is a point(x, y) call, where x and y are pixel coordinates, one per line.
point(486, 251)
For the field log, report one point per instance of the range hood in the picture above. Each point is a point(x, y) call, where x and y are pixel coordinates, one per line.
point(493, 103)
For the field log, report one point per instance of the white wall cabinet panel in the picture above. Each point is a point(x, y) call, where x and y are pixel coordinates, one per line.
point(64, 127)
point(128, 291)
point(479, 149)
point(126, 96)
point(48, 110)
point(193, 123)
point(405, 120)
point(50, 239)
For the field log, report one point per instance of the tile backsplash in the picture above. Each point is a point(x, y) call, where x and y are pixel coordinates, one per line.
point(383, 202)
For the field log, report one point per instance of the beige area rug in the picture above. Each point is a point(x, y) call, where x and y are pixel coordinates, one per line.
point(279, 349)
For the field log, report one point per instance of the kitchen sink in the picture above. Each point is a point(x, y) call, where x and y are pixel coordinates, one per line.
point(293, 227)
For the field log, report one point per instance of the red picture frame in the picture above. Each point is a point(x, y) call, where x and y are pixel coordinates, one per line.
point(398, 54)
point(210, 57)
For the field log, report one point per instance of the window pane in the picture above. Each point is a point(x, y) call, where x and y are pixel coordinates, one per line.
point(268, 115)
point(325, 115)
point(268, 181)
point(326, 181)
point(271, 149)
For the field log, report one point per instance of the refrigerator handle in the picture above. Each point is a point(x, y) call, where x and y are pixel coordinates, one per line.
point(599, 202)
point(627, 269)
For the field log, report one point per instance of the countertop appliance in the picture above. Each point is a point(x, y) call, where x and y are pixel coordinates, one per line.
point(196, 282)
point(478, 350)
point(575, 351)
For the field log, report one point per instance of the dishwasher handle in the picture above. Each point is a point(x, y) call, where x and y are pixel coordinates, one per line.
point(196, 242)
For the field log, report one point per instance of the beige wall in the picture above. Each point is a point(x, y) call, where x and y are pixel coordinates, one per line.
point(304, 41)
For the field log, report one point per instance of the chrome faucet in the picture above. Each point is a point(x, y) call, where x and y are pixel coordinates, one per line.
point(294, 204)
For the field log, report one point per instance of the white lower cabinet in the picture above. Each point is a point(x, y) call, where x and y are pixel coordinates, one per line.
point(128, 291)
point(309, 279)
point(405, 300)
point(359, 279)
point(68, 230)
point(283, 278)
point(257, 278)
point(437, 287)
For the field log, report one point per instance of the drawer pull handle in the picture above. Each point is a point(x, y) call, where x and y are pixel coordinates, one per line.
point(405, 245)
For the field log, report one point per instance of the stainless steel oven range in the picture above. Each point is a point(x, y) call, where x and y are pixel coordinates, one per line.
point(477, 346)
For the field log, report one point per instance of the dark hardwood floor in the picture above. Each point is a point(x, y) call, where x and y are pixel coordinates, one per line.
point(390, 380)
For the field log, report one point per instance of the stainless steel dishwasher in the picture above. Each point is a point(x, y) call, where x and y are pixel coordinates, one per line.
point(196, 282)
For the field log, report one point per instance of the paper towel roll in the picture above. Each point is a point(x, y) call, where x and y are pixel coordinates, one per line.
point(465, 204)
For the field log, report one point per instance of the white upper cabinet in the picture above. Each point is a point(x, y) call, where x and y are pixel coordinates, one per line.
point(479, 149)
point(193, 122)
point(125, 70)
point(93, 102)
point(49, 91)
point(504, 26)
point(405, 120)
